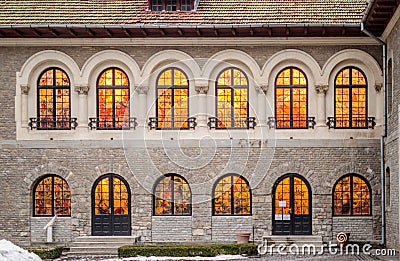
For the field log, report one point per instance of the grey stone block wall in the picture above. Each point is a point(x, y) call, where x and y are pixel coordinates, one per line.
point(171, 229)
point(392, 145)
point(360, 228)
point(61, 230)
point(224, 228)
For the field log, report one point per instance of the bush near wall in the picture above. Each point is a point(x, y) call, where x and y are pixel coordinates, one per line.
point(47, 252)
point(189, 250)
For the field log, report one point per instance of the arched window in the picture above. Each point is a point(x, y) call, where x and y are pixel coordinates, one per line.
point(51, 196)
point(113, 100)
point(389, 91)
point(350, 99)
point(352, 196)
point(172, 196)
point(172, 99)
point(54, 109)
point(232, 196)
point(232, 91)
point(387, 183)
point(291, 99)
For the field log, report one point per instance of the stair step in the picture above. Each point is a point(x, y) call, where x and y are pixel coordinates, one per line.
point(124, 239)
point(100, 244)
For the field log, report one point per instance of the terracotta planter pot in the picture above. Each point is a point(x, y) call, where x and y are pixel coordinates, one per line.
point(242, 237)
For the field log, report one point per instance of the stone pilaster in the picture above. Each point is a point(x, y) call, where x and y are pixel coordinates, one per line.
point(321, 90)
point(82, 91)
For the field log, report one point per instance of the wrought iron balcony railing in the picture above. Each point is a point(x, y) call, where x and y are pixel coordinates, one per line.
point(340, 123)
point(309, 123)
point(168, 124)
point(232, 123)
point(49, 124)
point(96, 124)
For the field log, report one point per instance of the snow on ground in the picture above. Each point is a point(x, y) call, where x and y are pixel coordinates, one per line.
point(11, 252)
point(196, 258)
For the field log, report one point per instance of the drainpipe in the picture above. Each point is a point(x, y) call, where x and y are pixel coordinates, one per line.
point(384, 135)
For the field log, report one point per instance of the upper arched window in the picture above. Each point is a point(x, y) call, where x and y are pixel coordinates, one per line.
point(232, 92)
point(51, 196)
point(350, 99)
point(112, 99)
point(352, 196)
point(172, 196)
point(54, 109)
point(291, 100)
point(172, 99)
point(232, 196)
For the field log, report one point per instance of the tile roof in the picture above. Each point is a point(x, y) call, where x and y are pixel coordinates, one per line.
point(123, 12)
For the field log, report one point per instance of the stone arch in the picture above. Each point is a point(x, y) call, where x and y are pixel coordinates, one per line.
point(35, 64)
point(348, 168)
point(231, 57)
point(49, 168)
point(110, 58)
point(288, 58)
point(352, 57)
point(170, 58)
point(291, 167)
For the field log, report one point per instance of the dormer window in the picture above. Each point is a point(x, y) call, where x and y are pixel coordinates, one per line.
point(171, 5)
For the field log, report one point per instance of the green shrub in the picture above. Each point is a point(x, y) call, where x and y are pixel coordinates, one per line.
point(188, 250)
point(47, 252)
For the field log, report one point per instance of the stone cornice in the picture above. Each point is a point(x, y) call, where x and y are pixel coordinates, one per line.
point(378, 86)
point(25, 89)
point(201, 89)
point(82, 89)
point(142, 89)
point(321, 88)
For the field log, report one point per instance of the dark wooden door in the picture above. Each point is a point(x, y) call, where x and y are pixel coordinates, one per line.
point(291, 207)
point(111, 206)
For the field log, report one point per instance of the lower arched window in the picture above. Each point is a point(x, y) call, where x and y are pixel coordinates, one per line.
point(51, 196)
point(172, 196)
point(232, 196)
point(352, 196)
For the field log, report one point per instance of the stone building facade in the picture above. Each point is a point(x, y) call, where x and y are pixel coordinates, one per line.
point(320, 155)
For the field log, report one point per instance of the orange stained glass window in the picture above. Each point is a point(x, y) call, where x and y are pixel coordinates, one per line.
point(172, 196)
point(232, 196)
point(300, 197)
point(351, 196)
point(291, 99)
point(172, 99)
point(109, 199)
point(232, 99)
point(54, 110)
point(113, 99)
point(350, 99)
point(52, 196)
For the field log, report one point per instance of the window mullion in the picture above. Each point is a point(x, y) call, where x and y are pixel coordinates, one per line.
point(232, 197)
point(52, 196)
point(172, 195)
point(351, 196)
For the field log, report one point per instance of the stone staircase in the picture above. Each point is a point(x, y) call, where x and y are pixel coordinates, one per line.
point(302, 242)
point(100, 245)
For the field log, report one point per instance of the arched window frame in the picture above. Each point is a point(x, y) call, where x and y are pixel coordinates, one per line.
point(389, 83)
point(114, 122)
point(53, 206)
point(352, 175)
point(171, 177)
point(234, 122)
point(232, 176)
point(280, 124)
point(55, 122)
point(350, 88)
point(175, 124)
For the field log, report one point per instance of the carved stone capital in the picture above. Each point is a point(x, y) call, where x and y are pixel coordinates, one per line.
point(25, 89)
point(321, 88)
point(201, 89)
point(378, 87)
point(262, 89)
point(142, 89)
point(82, 89)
